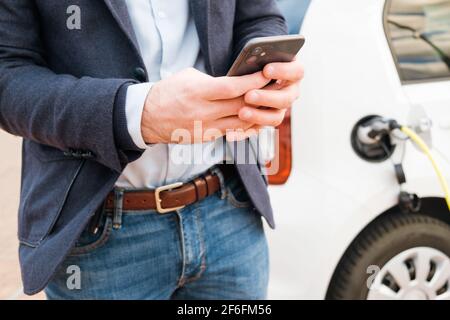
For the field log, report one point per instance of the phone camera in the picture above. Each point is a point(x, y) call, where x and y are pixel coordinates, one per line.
point(257, 51)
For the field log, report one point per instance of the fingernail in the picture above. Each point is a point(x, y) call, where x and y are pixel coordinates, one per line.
point(247, 114)
point(253, 96)
point(269, 71)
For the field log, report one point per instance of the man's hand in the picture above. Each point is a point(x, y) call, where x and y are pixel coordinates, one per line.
point(189, 96)
point(277, 98)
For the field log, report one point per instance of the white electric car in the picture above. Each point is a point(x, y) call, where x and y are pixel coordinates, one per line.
point(342, 232)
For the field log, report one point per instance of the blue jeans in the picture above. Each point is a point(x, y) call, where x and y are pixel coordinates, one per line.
point(213, 249)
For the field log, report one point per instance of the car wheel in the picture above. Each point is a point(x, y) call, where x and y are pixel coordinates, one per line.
point(398, 256)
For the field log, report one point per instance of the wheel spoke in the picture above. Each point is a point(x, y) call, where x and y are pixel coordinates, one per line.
point(422, 264)
point(400, 273)
point(441, 276)
point(381, 292)
point(444, 296)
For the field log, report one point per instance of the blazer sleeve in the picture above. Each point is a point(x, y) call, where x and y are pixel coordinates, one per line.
point(256, 18)
point(59, 110)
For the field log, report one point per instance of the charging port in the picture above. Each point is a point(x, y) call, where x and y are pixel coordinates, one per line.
point(372, 144)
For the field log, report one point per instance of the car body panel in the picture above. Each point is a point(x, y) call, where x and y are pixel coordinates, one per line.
point(332, 194)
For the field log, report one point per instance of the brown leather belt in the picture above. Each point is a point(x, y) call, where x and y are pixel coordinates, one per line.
point(171, 197)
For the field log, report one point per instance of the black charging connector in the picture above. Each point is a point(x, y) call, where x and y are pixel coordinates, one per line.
point(409, 202)
point(371, 139)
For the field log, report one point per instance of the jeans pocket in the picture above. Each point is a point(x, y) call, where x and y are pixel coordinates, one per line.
point(89, 242)
point(237, 196)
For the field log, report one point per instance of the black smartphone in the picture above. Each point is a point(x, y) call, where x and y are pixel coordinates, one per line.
point(259, 52)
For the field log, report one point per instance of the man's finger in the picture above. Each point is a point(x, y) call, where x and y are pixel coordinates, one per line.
point(262, 117)
point(280, 99)
point(288, 71)
point(232, 87)
point(279, 84)
point(226, 124)
point(223, 108)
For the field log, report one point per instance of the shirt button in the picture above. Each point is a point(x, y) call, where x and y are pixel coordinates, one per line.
point(162, 14)
point(140, 74)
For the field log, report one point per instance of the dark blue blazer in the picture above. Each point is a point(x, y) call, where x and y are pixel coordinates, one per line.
point(63, 91)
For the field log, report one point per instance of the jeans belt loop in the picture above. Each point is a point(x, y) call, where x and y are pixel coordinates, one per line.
point(118, 208)
point(223, 192)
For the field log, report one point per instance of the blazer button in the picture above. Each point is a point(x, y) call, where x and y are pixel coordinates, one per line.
point(140, 74)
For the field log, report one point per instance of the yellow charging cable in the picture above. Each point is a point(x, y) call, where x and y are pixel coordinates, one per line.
point(422, 145)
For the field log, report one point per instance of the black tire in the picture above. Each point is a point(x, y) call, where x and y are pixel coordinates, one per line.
point(383, 239)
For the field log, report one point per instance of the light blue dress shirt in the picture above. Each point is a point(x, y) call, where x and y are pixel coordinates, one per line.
point(168, 42)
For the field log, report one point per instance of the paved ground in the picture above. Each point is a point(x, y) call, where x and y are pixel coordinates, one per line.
point(10, 283)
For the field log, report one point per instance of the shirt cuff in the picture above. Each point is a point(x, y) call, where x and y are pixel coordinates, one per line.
point(134, 107)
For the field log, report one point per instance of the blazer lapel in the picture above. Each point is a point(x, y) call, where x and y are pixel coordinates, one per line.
point(201, 11)
point(119, 11)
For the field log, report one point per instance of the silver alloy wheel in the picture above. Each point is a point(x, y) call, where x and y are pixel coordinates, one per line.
point(420, 273)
